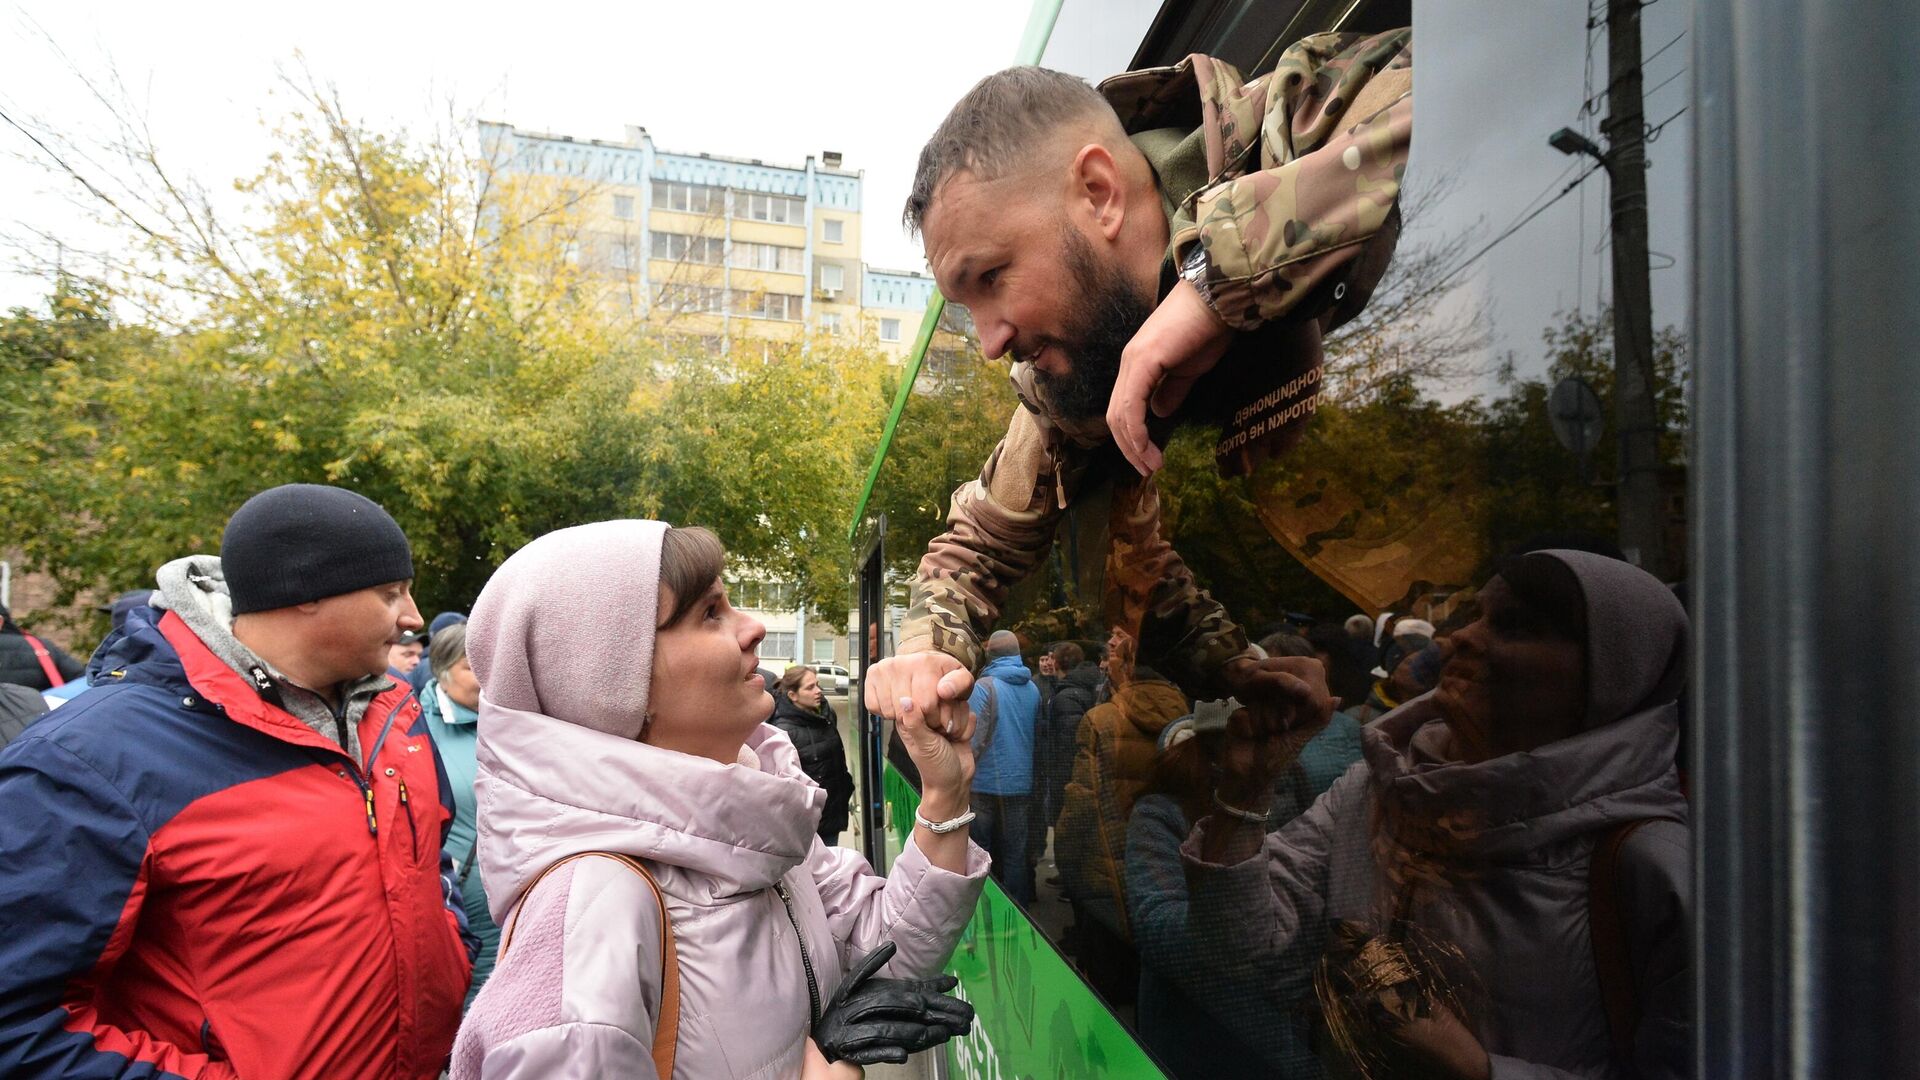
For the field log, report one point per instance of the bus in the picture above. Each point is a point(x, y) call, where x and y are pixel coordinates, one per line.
point(1612, 324)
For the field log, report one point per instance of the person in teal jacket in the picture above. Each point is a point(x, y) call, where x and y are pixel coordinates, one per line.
point(450, 703)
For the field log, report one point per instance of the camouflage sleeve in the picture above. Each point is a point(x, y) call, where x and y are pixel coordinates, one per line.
point(999, 528)
point(1181, 628)
point(1333, 122)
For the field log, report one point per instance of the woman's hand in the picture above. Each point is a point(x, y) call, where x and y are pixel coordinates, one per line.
point(1286, 705)
point(872, 1020)
point(815, 1066)
point(1443, 1047)
point(944, 757)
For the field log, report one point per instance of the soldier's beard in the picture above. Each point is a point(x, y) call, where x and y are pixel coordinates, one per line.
point(1105, 315)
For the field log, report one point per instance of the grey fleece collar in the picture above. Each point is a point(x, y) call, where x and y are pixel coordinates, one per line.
point(195, 589)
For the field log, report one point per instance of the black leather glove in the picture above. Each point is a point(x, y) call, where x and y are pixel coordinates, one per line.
point(870, 1020)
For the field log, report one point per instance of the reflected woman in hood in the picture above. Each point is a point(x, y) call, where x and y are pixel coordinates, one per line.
point(622, 718)
point(1474, 822)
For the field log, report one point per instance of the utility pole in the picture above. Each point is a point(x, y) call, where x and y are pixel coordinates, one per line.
point(1635, 419)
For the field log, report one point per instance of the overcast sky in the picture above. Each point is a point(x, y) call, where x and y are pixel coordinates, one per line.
point(746, 78)
point(870, 78)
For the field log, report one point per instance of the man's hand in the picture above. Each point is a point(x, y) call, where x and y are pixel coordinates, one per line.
point(1287, 704)
point(925, 695)
point(1178, 343)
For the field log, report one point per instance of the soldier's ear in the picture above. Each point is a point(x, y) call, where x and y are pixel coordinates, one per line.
point(1097, 191)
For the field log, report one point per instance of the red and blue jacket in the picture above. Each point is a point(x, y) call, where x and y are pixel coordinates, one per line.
point(195, 883)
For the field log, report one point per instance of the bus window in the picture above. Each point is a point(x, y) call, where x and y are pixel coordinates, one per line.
point(1402, 487)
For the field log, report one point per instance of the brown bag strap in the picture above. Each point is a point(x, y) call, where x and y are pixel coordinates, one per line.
point(666, 1026)
point(1612, 956)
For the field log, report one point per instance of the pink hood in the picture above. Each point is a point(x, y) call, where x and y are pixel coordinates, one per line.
point(565, 626)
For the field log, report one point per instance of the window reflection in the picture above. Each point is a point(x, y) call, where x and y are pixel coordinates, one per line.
point(1481, 852)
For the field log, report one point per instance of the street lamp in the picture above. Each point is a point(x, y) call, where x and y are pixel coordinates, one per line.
point(1569, 141)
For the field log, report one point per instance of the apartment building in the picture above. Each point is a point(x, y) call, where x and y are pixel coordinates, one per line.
point(713, 247)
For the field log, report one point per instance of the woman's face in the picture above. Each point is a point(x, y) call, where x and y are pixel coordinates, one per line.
point(1510, 683)
point(459, 684)
point(807, 695)
point(706, 697)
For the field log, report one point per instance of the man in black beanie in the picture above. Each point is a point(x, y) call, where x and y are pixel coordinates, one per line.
point(249, 819)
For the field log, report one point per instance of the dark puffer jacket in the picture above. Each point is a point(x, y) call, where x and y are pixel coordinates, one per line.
point(1074, 693)
point(822, 756)
point(18, 663)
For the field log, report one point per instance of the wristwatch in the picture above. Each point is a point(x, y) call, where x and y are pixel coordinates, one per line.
point(1193, 270)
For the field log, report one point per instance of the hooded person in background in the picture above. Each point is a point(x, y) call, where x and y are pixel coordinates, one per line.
point(1475, 822)
point(800, 709)
point(28, 660)
point(1397, 681)
point(224, 859)
point(450, 706)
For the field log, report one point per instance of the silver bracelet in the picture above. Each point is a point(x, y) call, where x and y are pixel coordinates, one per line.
point(1258, 817)
point(942, 828)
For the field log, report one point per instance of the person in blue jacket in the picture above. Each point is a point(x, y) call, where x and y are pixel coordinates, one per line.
point(1005, 704)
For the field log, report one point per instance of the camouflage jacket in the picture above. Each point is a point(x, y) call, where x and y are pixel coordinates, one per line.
point(1291, 183)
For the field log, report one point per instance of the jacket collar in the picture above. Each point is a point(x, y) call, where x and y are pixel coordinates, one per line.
point(239, 699)
point(549, 789)
point(1516, 803)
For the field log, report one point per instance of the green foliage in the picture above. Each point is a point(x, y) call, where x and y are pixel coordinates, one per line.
point(952, 422)
point(404, 323)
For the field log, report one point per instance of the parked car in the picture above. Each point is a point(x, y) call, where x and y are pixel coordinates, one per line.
point(833, 678)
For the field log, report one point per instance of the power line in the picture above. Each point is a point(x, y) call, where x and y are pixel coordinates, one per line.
point(1516, 226)
point(1662, 83)
point(1593, 100)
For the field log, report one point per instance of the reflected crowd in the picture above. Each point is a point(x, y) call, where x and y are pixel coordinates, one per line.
point(1480, 868)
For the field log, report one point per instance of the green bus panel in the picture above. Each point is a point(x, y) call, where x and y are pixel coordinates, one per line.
point(1036, 1019)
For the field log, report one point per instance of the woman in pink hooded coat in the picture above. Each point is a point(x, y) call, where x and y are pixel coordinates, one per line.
point(620, 712)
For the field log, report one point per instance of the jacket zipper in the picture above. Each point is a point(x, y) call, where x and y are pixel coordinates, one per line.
point(412, 829)
point(806, 961)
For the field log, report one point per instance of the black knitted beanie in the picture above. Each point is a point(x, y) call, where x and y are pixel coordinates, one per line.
point(301, 542)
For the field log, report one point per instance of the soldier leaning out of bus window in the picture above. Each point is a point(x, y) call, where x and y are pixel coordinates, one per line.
point(1144, 243)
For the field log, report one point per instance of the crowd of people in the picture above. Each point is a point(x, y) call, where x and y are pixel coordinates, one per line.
point(280, 826)
point(253, 847)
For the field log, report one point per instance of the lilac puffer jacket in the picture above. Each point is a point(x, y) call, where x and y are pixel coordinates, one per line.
point(576, 994)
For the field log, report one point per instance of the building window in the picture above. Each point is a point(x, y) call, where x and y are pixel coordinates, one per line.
point(679, 247)
point(784, 306)
point(689, 298)
point(832, 324)
point(781, 209)
point(623, 207)
point(688, 198)
point(823, 650)
point(889, 329)
point(833, 278)
point(836, 231)
point(778, 644)
point(776, 257)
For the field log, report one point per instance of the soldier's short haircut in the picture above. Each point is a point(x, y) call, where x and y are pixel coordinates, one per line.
point(997, 126)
